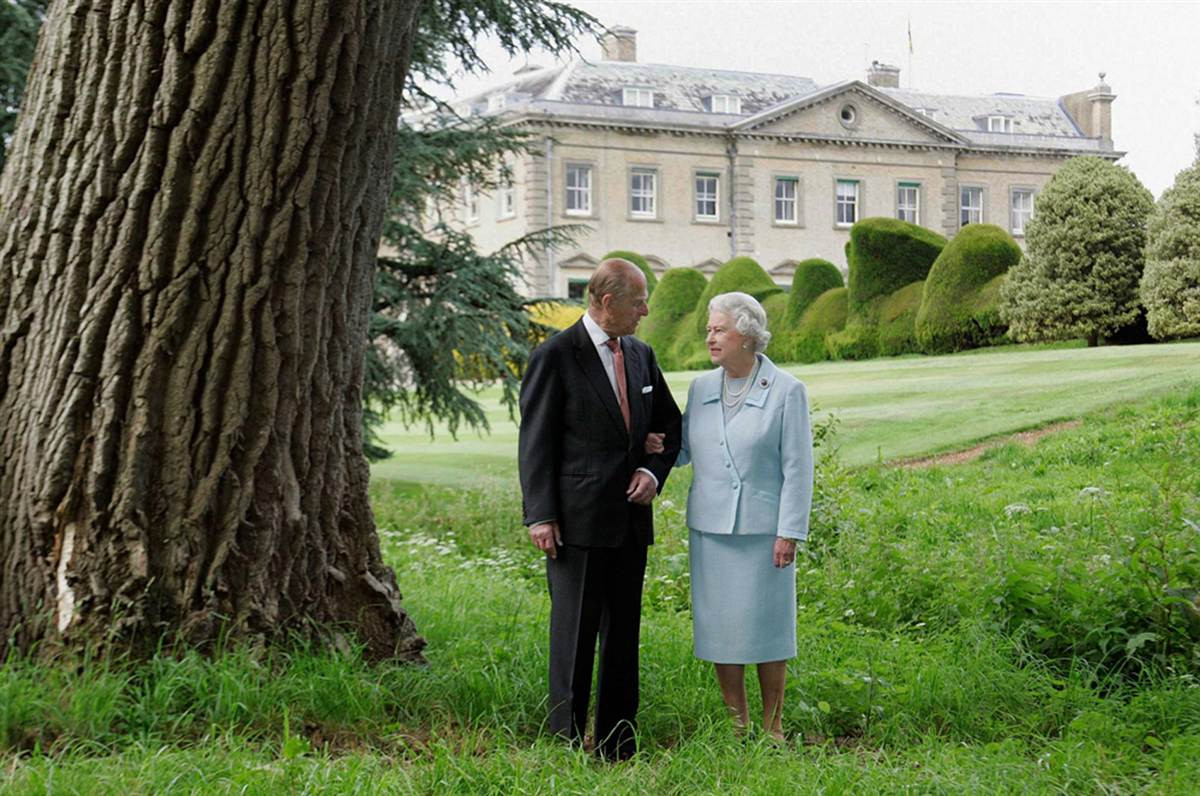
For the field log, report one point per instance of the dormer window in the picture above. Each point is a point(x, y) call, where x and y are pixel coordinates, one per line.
point(999, 124)
point(724, 103)
point(637, 97)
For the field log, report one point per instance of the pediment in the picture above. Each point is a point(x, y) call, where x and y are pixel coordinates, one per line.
point(708, 267)
point(784, 268)
point(851, 111)
point(579, 260)
point(657, 264)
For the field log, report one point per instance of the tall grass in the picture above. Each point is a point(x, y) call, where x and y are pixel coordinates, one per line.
point(1017, 624)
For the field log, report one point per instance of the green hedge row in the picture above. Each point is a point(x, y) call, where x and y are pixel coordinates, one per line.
point(910, 290)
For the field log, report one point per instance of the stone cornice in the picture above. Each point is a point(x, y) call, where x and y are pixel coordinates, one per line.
point(536, 120)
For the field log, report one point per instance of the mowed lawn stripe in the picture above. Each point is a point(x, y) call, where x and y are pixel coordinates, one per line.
point(888, 408)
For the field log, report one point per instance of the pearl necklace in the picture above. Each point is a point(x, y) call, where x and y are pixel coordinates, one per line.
point(732, 399)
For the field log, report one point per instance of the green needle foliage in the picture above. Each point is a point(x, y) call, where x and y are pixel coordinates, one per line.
point(1080, 273)
point(448, 319)
point(19, 23)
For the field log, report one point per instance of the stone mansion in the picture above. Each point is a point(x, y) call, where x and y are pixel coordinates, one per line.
point(690, 167)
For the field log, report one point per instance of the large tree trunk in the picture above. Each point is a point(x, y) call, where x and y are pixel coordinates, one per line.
point(190, 215)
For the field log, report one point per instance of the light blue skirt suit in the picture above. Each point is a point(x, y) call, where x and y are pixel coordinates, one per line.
point(752, 482)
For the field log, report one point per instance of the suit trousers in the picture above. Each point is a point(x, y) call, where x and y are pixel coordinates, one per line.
point(596, 591)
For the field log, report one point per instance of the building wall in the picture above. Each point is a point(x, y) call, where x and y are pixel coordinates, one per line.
point(746, 225)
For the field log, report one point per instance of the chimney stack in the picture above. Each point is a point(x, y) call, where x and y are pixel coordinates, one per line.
point(1101, 98)
point(883, 75)
point(1092, 111)
point(619, 44)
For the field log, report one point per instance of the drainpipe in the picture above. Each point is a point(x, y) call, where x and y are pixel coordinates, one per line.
point(552, 286)
point(731, 154)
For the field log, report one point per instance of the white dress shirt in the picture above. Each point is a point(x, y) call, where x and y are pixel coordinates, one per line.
point(600, 339)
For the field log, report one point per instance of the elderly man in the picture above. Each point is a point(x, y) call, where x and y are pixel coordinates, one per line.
point(590, 397)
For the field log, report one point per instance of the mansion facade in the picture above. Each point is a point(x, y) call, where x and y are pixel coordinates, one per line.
point(690, 166)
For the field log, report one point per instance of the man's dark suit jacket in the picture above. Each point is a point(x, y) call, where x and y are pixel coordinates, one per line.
point(575, 456)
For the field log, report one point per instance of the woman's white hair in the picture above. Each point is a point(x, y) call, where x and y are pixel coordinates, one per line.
point(748, 316)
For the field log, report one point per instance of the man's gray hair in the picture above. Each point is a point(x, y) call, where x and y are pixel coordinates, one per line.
point(748, 316)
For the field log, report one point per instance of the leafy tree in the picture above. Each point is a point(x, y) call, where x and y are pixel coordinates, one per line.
point(1084, 258)
point(19, 22)
point(1170, 288)
point(183, 320)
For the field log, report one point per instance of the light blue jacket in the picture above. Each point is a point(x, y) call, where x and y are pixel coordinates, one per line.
point(754, 476)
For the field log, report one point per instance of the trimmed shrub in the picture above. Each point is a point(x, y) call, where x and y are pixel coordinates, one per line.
point(740, 273)
point(640, 262)
point(885, 254)
point(897, 320)
point(675, 297)
point(776, 305)
point(812, 278)
point(951, 316)
point(1085, 255)
point(826, 315)
point(856, 341)
point(556, 314)
point(1170, 286)
point(688, 351)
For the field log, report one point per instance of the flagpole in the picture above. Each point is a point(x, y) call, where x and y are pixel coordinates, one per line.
point(910, 53)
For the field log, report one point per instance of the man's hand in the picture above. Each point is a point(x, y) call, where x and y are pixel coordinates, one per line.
point(654, 442)
point(785, 551)
point(546, 537)
point(641, 489)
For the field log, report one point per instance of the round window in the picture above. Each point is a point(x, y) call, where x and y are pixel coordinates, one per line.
point(849, 115)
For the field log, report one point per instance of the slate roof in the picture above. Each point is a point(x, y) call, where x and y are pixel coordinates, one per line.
point(593, 90)
point(679, 88)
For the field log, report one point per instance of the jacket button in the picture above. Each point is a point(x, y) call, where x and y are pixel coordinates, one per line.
point(726, 465)
point(736, 485)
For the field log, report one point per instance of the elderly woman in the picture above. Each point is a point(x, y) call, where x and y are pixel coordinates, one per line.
point(746, 432)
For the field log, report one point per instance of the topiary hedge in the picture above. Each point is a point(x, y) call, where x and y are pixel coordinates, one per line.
point(740, 273)
point(688, 350)
point(640, 262)
point(885, 254)
point(897, 320)
point(856, 341)
point(673, 299)
point(776, 306)
point(812, 278)
point(955, 314)
point(825, 316)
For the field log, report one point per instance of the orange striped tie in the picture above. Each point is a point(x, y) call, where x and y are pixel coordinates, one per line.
point(614, 345)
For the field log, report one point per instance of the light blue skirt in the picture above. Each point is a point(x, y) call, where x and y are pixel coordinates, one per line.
point(743, 607)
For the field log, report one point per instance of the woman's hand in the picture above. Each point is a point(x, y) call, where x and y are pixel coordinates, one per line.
point(654, 442)
point(785, 551)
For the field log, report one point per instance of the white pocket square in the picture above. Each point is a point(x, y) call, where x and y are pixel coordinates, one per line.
point(647, 388)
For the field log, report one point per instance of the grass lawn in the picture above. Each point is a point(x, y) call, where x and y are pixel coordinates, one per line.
point(1015, 624)
point(888, 408)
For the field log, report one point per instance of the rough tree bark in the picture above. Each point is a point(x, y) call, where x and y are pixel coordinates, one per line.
point(189, 218)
